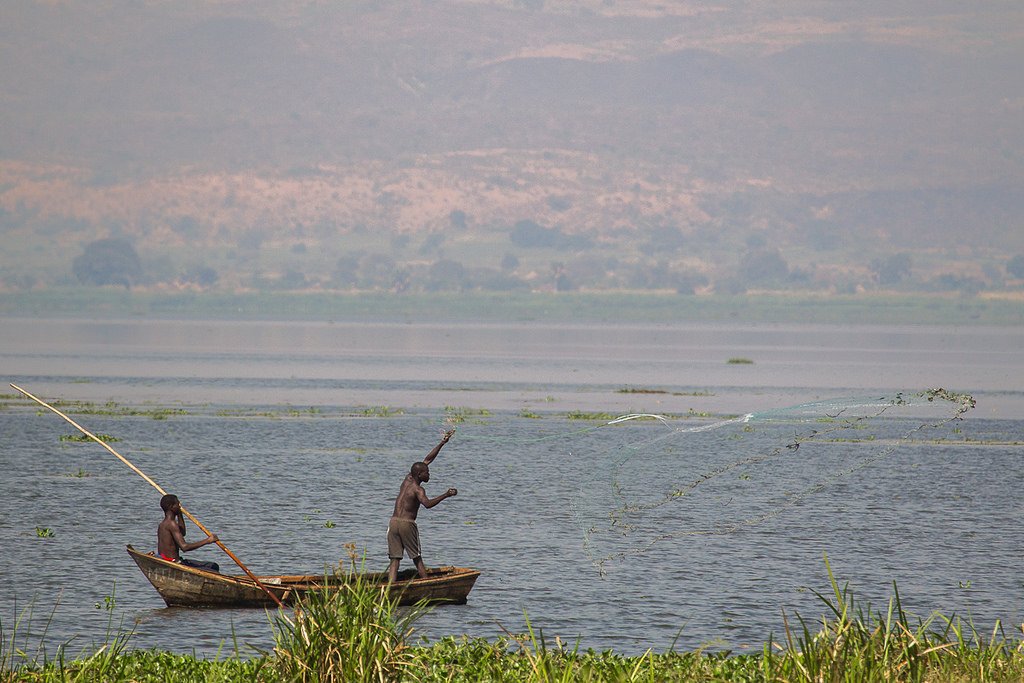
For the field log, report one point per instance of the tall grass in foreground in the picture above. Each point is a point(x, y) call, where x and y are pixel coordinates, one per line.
point(853, 644)
point(357, 634)
point(101, 664)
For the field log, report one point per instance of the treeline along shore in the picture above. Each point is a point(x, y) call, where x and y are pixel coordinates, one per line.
point(582, 307)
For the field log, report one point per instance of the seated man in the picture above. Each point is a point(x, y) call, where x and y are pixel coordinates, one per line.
point(170, 536)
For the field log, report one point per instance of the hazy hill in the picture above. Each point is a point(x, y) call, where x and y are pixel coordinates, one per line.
point(284, 136)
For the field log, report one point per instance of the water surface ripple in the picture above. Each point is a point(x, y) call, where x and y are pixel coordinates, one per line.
point(273, 451)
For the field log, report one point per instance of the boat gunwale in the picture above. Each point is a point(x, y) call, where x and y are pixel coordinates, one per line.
point(290, 582)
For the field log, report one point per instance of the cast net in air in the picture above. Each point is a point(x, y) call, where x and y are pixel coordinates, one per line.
point(663, 478)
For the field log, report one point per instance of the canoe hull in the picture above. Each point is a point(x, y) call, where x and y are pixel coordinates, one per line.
point(182, 586)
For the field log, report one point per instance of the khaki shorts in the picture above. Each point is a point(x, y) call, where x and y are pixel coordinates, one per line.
point(403, 534)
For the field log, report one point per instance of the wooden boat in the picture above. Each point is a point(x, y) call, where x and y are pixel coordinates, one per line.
point(183, 586)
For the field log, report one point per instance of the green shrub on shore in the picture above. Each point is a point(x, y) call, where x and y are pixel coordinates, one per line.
point(359, 635)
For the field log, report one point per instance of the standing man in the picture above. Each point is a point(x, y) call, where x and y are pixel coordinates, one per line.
point(170, 536)
point(403, 534)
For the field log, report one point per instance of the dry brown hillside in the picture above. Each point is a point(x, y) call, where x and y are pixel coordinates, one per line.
point(658, 144)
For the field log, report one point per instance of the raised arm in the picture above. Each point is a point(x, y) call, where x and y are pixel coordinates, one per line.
point(437, 449)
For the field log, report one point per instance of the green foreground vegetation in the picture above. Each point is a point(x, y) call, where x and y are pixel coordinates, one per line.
point(358, 635)
point(561, 307)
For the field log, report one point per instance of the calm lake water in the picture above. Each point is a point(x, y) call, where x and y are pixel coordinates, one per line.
point(289, 440)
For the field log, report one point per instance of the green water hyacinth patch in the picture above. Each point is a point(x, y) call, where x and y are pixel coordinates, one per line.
point(360, 635)
point(82, 438)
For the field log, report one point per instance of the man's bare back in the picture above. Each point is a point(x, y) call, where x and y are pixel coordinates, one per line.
point(411, 494)
point(407, 505)
point(410, 497)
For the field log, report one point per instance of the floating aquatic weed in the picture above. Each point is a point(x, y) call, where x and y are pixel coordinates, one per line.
point(382, 411)
point(457, 415)
point(82, 438)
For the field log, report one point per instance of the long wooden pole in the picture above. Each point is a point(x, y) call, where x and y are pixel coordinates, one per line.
point(154, 485)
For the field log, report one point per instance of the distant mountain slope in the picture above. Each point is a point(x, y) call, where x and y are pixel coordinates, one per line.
point(803, 125)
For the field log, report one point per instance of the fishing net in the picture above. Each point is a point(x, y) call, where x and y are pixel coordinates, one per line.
point(658, 477)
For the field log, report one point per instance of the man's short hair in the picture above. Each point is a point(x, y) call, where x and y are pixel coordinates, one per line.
point(418, 469)
point(168, 501)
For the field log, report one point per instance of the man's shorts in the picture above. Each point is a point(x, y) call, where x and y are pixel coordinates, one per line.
point(403, 534)
point(201, 564)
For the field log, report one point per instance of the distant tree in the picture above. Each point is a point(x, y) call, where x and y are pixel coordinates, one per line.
point(109, 261)
point(763, 266)
point(662, 239)
point(251, 240)
point(159, 268)
point(576, 242)
point(201, 275)
point(293, 279)
point(993, 275)
point(457, 218)
point(822, 235)
point(346, 271)
point(432, 243)
point(529, 234)
point(491, 280)
point(892, 269)
point(731, 285)
point(20, 282)
point(558, 203)
point(590, 270)
point(661, 275)
point(802, 277)
point(376, 271)
point(402, 280)
point(509, 262)
point(562, 281)
point(687, 283)
point(968, 286)
point(648, 274)
point(1015, 267)
point(445, 276)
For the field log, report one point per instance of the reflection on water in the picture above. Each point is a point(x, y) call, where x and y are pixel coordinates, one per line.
point(286, 487)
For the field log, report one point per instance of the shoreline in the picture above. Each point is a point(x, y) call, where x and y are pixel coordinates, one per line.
point(678, 368)
point(652, 307)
